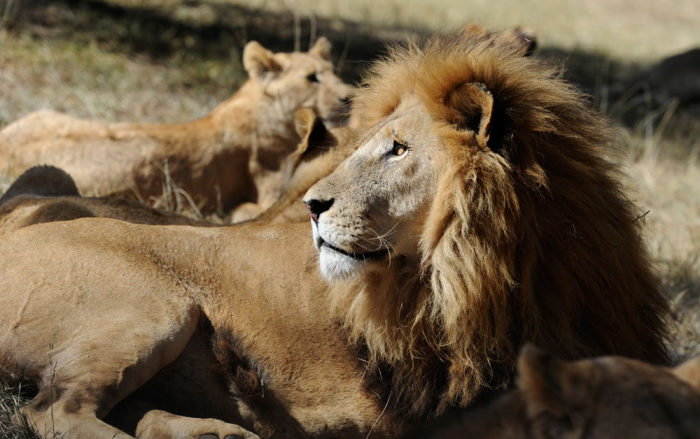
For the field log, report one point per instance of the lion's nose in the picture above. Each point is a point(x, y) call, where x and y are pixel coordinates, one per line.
point(317, 207)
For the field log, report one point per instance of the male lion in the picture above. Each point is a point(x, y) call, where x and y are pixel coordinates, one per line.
point(232, 155)
point(476, 213)
point(600, 398)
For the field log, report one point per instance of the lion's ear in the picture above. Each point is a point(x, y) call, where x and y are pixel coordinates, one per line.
point(555, 391)
point(523, 38)
point(309, 127)
point(312, 131)
point(304, 119)
point(471, 106)
point(315, 140)
point(257, 60)
point(322, 48)
point(539, 377)
point(473, 30)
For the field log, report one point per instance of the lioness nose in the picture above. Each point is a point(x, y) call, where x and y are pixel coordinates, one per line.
point(317, 207)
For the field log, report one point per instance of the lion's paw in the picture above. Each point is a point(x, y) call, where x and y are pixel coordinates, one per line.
point(158, 424)
point(216, 436)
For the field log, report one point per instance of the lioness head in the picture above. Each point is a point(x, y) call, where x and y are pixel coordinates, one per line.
point(300, 79)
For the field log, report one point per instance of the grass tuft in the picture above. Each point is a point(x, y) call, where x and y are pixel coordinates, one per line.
point(13, 425)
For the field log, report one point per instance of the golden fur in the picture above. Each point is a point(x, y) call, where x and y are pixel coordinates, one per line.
point(601, 398)
point(476, 213)
point(525, 234)
point(232, 155)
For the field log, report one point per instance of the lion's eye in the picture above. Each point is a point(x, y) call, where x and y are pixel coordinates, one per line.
point(399, 149)
point(312, 77)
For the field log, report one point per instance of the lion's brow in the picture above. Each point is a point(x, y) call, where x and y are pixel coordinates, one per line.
point(371, 131)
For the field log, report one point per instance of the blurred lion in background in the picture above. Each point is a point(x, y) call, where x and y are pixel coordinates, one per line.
point(231, 156)
point(46, 193)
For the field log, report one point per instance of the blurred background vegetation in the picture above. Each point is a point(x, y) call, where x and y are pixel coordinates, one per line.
point(174, 60)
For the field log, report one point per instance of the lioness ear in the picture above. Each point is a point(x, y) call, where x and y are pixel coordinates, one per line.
point(471, 106)
point(557, 393)
point(311, 130)
point(322, 48)
point(542, 380)
point(258, 60)
point(304, 119)
point(539, 377)
point(472, 30)
point(315, 140)
point(523, 38)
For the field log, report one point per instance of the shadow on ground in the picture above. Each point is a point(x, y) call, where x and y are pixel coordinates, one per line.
point(196, 30)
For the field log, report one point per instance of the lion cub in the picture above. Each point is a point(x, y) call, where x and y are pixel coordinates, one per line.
point(231, 156)
point(602, 398)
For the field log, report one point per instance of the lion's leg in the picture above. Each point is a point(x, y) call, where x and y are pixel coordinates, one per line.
point(60, 421)
point(87, 375)
point(158, 424)
point(245, 212)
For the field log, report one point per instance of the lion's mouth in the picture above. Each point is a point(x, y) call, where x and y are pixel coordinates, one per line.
point(358, 256)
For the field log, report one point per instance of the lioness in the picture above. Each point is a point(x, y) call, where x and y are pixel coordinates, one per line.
point(231, 156)
point(476, 213)
point(601, 398)
point(46, 193)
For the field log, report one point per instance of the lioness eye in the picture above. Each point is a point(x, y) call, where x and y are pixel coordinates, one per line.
point(399, 149)
point(312, 77)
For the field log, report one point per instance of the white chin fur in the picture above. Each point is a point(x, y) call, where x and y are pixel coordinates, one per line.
point(336, 266)
point(316, 236)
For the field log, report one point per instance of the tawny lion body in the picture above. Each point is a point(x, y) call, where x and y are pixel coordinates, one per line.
point(232, 155)
point(184, 285)
point(476, 213)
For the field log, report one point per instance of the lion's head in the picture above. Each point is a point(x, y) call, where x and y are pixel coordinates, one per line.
point(477, 213)
point(300, 79)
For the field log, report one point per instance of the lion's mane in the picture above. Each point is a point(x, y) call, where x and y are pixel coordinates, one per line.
point(531, 241)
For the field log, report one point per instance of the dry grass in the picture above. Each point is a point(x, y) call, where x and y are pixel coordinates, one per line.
point(93, 83)
point(669, 190)
point(12, 424)
point(124, 65)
